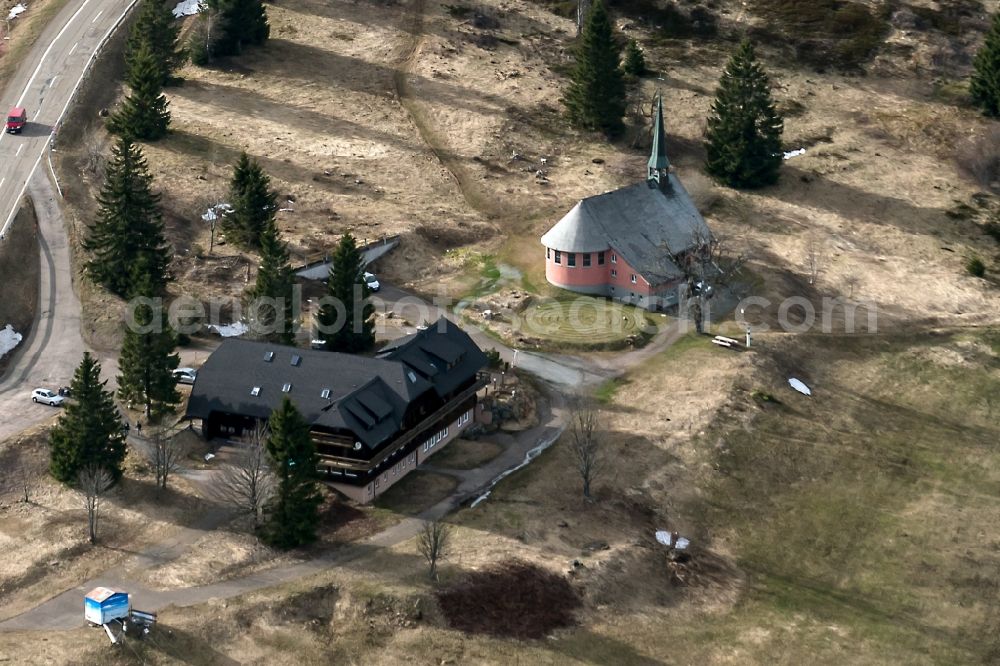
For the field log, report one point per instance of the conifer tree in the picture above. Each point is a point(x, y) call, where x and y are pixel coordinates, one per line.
point(129, 227)
point(254, 204)
point(89, 430)
point(635, 62)
point(240, 23)
point(351, 329)
point(272, 295)
point(144, 114)
point(743, 139)
point(156, 27)
point(147, 361)
point(985, 85)
point(292, 512)
point(595, 99)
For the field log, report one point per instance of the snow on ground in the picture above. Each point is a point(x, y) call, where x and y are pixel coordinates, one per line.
point(795, 153)
point(9, 339)
point(187, 8)
point(16, 10)
point(230, 330)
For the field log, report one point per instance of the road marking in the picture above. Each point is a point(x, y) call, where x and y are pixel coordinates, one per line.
point(45, 55)
point(1, 181)
point(97, 16)
point(72, 50)
point(72, 94)
point(19, 150)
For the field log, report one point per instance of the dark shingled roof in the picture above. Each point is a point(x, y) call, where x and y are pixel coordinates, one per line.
point(368, 396)
point(645, 223)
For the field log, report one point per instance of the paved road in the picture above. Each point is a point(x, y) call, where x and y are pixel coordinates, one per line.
point(54, 347)
point(44, 85)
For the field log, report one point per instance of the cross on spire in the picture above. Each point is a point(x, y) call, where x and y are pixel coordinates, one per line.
point(658, 163)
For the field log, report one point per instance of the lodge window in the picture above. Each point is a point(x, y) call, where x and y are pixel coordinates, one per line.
point(600, 258)
point(376, 482)
point(614, 273)
point(614, 259)
point(633, 278)
point(558, 258)
point(548, 253)
point(571, 259)
point(586, 260)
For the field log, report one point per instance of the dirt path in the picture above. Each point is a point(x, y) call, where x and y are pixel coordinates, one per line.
point(414, 20)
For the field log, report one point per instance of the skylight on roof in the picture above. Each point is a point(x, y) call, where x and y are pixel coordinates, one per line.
point(296, 360)
point(255, 391)
point(286, 388)
point(413, 377)
point(269, 356)
point(325, 394)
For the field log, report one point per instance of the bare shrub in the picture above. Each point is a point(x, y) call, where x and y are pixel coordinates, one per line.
point(93, 481)
point(586, 445)
point(433, 545)
point(978, 157)
point(165, 455)
point(247, 483)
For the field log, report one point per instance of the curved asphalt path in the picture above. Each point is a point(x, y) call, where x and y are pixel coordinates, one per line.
point(45, 84)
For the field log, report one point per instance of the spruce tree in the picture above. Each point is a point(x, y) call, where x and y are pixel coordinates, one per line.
point(144, 114)
point(275, 320)
point(743, 139)
point(595, 99)
point(147, 361)
point(129, 227)
point(254, 204)
point(635, 62)
point(156, 27)
point(351, 330)
point(89, 430)
point(292, 513)
point(985, 85)
point(240, 23)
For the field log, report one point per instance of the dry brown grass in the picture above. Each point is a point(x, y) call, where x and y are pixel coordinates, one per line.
point(19, 274)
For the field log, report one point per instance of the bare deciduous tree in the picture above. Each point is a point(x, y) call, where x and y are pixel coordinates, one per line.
point(94, 481)
point(586, 445)
point(26, 477)
point(165, 454)
point(248, 482)
point(433, 545)
point(814, 258)
point(94, 154)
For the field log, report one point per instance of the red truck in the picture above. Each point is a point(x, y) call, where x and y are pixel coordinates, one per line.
point(16, 120)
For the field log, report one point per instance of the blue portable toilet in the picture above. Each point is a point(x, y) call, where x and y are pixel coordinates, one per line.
point(102, 604)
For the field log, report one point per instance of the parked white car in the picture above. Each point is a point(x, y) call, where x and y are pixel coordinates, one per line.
point(47, 397)
point(372, 282)
point(185, 375)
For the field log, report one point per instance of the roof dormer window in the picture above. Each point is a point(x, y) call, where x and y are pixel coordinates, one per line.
point(296, 360)
point(286, 388)
point(268, 356)
point(255, 391)
point(325, 394)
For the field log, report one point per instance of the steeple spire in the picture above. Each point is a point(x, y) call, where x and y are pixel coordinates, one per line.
point(658, 164)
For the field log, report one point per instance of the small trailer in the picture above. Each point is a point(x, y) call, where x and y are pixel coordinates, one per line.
point(102, 605)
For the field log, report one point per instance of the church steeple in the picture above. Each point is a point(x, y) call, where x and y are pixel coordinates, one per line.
point(658, 163)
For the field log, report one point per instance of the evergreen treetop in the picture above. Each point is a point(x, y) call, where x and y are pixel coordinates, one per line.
point(272, 296)
point(89, 430)
point(241, 23)
point(985, 84)
point(292, 513)
point(129, 227)
point(254, 204)
point(635, 62)
point(350, 327)
point(145, 113)
point(156, 27)
point(743, 139)
point(595, 99)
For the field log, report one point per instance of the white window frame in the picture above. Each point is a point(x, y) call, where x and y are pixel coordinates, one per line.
point(634, 279)
point(614, 258)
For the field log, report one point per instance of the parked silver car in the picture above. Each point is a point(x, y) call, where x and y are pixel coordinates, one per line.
point(185, 375)
point(47, 397)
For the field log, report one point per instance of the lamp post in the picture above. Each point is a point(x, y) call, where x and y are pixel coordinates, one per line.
point(743, 312)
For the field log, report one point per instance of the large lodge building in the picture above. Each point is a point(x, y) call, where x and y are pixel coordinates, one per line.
point(373, 419)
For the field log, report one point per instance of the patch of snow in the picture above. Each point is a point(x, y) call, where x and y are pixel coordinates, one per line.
point(663, 537)
point(16, 10)
point(9, 338)
point(233, 330)
point(799, 386)
point(213, 212)
point(187, 8)
point(794, 153)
